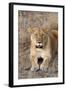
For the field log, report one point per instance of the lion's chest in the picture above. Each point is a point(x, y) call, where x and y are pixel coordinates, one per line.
point(42, 53)
point(39, 53)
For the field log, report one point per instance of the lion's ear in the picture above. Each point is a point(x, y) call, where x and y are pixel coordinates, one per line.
point(30, 30)
point(45, 30)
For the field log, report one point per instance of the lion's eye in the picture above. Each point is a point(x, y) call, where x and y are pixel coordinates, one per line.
point(35, 34)
point(44, 36)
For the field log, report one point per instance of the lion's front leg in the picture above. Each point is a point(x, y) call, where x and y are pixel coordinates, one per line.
point(34, 65)
point(45, 64)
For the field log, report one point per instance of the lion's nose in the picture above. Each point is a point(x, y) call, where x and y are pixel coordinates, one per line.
point(39, 45)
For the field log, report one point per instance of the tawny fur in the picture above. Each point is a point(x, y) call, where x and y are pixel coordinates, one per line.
point(49, 40)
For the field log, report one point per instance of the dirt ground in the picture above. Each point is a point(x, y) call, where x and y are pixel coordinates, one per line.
point(34, 19)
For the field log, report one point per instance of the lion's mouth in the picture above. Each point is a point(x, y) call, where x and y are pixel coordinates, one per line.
point(39, 46)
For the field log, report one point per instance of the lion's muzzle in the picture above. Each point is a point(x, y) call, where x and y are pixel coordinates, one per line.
point(39, 45)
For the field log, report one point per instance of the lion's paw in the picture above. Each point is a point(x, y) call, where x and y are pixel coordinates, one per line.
point(44, 68)
point(34, 68)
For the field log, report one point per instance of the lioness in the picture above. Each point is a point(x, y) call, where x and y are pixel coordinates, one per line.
point(43, 46)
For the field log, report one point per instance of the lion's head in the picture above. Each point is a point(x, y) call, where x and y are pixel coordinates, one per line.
point(39, 37)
